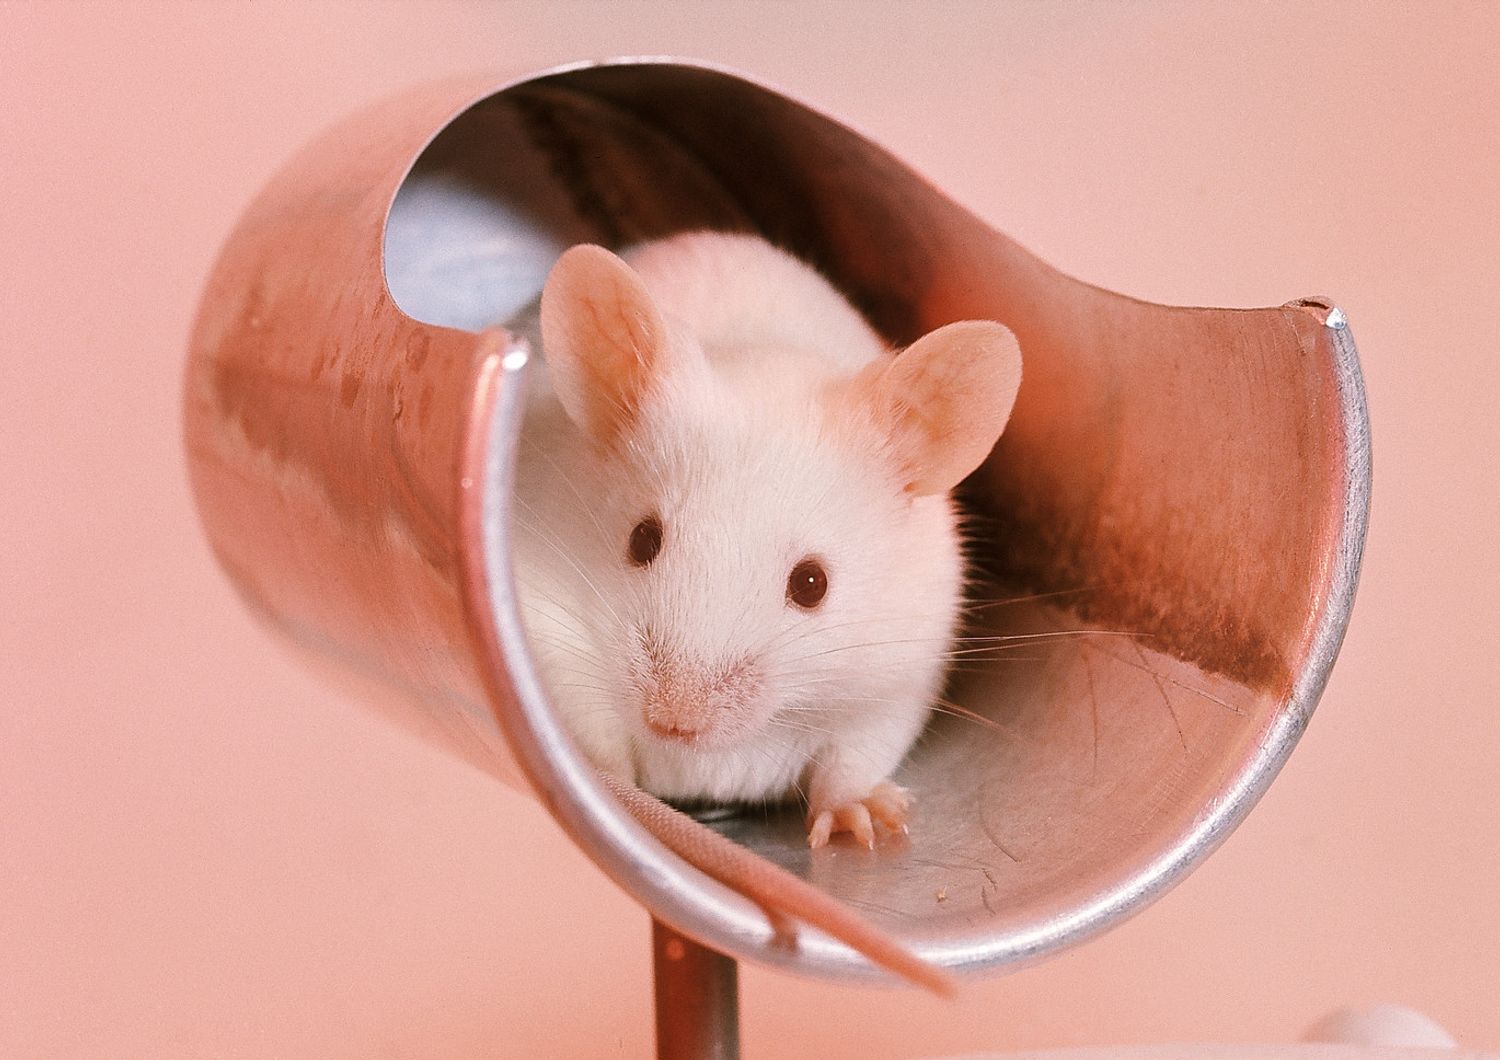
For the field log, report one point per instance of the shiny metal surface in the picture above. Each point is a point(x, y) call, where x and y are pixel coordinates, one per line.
point(697, 999)
point(1189, 486)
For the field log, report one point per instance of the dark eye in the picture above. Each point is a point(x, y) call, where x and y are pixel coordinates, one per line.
point(645, 541)
point(807, 584)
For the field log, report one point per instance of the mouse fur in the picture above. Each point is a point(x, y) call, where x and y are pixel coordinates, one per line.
point(718, 387)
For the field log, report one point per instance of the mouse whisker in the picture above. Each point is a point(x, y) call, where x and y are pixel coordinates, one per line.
point(992, 643)
point(575, 651)
point(566, 479)
point(938, 705)
point(978, 603)
point(563, 553)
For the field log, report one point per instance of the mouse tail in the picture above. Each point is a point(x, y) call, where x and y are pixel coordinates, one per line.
point(780, 893)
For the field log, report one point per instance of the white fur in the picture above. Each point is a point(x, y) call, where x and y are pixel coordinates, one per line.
point(751, 469)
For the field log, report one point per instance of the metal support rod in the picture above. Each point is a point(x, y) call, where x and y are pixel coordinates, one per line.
point(697, 999)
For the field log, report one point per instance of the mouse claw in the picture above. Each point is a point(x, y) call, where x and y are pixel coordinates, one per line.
point(819, 830)
point(859, 823)
point(890, 804)
point(887, 804)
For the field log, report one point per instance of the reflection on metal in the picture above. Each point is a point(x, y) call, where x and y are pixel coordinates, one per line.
point(1189, 484)
point(697, 999)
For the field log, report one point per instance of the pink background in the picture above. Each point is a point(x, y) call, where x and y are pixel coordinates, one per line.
point(203, 851)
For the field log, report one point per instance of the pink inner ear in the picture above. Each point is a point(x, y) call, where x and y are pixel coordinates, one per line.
point(602, 337)
point(947, 398)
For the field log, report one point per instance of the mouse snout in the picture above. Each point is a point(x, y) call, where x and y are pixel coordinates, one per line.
point(688, 700)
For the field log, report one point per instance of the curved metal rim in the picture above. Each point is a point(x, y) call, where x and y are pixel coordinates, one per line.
point(701, 907)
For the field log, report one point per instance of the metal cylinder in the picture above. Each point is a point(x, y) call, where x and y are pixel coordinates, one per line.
point(697, 999)
point(1190, 483)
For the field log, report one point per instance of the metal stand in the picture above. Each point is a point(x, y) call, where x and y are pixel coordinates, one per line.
point(697, 999)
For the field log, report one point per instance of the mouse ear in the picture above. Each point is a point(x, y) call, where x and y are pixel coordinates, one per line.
point(603, 340)
point(945, 400)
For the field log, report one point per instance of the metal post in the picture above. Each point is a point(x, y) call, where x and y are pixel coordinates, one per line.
point(697, 999)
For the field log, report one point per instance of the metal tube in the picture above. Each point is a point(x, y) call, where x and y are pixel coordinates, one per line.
point(351, 449)
point(697, 999)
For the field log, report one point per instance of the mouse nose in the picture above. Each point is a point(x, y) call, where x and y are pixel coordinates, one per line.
point(676, 710)
point(671, 730)
point(684, 700)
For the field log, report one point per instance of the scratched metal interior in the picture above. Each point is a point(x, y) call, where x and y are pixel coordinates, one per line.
point(1078, 773)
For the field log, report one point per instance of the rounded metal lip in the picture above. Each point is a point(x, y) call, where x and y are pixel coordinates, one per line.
point(706, 909)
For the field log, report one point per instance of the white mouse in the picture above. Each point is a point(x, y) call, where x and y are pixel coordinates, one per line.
point(738, 561)
point(740, 566)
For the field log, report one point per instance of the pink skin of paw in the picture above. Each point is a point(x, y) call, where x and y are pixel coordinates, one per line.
point(887, 804)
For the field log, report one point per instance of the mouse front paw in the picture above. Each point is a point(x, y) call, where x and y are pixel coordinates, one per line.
point(887, 804)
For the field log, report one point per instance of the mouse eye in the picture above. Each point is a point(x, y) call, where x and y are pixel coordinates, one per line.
point(807, 584)
point(645, 541)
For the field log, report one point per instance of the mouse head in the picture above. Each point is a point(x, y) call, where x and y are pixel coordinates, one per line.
point(774, 543)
